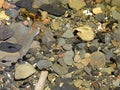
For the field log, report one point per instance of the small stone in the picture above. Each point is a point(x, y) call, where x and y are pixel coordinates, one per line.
point(67, 47)
point(55, 25)
point(85, 33)
point(76, 4)
point(115, 14)
point(97, 10)
point(61, 41)
point(97, 59)
point(35, 44)
point(88, 77)
point(100, 17)
point(68, 34)
point(12, 13)
point(108, 70)
point(52, 9)
point(1, 3)
point(44, 64)
point(115, 3)
point(78, 83)
point(44, 15)
point(116, 83)
point(68, 57)
point(3, 16)
point(23, 71)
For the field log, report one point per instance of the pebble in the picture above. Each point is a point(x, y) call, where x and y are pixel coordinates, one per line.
point(115, 15)
point(9, 47)
point(59, 69)
point(97, 59)
point(68, 34)
point(5, 32)
point(85, 33)
point(52, 9)
point(77, 83)
point(116, 82)
point(67, 47)
point(108, 70)
point(35, 44)
point(68, 57)
point(76, 4)
point(26, 4)
point(12, 13)
point(44, 64)
point(115, 3)
point(100, 17)
point(3, 16)
point(61, 41)
point(1, 3)
point(88, 77)
point(44, 15)
point(23, 71)
point(97, 10)
point(55, 25)
point(116, 34)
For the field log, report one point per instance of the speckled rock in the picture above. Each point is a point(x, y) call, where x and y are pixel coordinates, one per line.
point(97, 59)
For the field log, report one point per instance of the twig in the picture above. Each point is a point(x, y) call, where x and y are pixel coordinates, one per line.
point(41, 81)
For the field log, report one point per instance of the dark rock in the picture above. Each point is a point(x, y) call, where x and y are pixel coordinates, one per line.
point(100, 17)
point(117, 88)
point(43, 64)
point(101, 37)
point(9, 47)
point(26, 4)
point(54, 10)
point(88, 77)
point(5, 32)
point(93, 49)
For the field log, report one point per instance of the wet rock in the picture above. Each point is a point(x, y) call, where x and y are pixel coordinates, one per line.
point(68, 57)
point(100, 17)
point(85, 33)
point(68, 34)
point(97, 59)
point(23, 36)
point(23, 71)
point(5, 32)
point(76, 4)
point(3, 16)
point(9, 47)
point(115, 15)
point(1, 3)
point(52, 9)
point(115, 3)
point(26, 4)
point(67, 47)
point(44, 64)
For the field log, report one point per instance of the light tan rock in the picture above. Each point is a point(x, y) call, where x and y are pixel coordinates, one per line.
point(55, 25)
point(23, 71)
point(85, 33)
point(3, 15)
point(76, 4)
point(97, 10)
point(1, 3)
